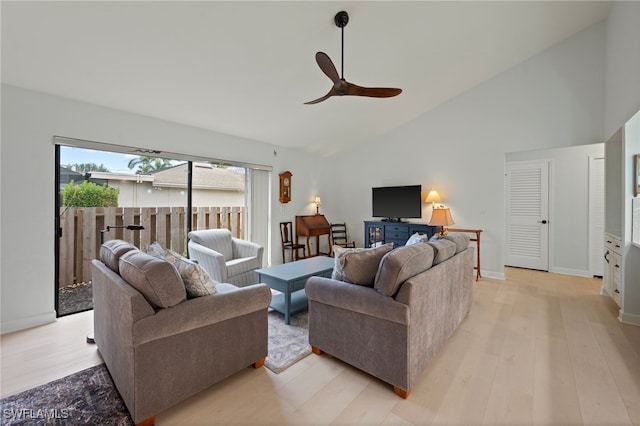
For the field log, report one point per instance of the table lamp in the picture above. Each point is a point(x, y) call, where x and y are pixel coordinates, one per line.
point(318, 202)
point(441, 217)
point(433, 197)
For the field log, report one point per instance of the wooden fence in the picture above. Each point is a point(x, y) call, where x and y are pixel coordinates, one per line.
point(82, 229)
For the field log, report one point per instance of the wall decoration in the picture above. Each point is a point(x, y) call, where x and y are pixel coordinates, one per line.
point(285, 186)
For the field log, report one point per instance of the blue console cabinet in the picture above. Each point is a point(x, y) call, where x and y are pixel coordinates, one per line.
point(393, 232)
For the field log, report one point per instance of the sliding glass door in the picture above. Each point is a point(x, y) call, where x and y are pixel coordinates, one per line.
point(104, 195)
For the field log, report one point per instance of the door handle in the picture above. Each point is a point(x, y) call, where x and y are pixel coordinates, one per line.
point(543, 221)
point(605, 256)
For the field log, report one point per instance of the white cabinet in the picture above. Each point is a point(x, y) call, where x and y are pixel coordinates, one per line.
point(612, 282)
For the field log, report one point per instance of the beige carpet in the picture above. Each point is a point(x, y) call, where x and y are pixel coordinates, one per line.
point(288, 344)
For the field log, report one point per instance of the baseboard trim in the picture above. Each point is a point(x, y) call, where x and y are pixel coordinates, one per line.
point(24, 323)
point(629, 318)
point(492, 274)
point(574, 272)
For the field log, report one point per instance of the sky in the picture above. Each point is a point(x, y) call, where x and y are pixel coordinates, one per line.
point(115, 162)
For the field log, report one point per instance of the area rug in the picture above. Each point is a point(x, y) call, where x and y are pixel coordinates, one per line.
point(288, 344)
point(84, 398)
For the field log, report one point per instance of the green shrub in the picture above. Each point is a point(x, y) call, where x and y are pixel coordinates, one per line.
point(89, 194)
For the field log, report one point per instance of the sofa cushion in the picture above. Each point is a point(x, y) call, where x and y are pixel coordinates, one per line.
point(157, 279)
point(241, 265)
point(197, 282)
point(112, 250)
point(444, 249)
point(401, 264)
point(359, 265)
point(461, 240)
point(417, 238)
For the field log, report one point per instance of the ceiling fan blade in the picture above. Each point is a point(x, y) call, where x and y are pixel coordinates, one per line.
point(327, 67)
point(341, 87)
point(324, 98)
point(372, 92)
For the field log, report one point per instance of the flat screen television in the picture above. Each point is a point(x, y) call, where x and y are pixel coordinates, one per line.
point(397, 202)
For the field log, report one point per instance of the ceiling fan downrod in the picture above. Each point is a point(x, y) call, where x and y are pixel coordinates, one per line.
point(341, 19)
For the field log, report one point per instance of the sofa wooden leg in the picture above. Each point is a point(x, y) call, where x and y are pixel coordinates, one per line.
point(401, 392)
point(259, 363)
point(150, 421)
point(316, 350)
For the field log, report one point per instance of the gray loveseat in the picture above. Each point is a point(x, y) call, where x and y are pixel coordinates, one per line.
point(162, 347)
point(393, 328)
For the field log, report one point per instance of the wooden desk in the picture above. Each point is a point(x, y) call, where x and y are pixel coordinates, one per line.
point(313, 226)
point(477, 241)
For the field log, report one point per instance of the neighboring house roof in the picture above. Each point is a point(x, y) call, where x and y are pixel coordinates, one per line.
point(205, 176)
point(67, 175)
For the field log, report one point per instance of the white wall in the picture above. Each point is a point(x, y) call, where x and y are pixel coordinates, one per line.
point(622, 82)
point(29, 122)
point(630, 311)
point(569, 204)
point(554, 99)
point(622, 78)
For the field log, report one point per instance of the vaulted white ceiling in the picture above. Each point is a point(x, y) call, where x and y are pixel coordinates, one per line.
point(246, 68)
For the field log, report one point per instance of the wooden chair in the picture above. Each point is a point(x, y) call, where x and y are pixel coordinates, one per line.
point(286, 236)
point(339, 235)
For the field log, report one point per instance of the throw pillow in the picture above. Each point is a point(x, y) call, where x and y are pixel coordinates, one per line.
point(401, 264)
point(444, 249)
point(417, 238)
point(359, 265)
point(157, 279)
point(196, 280)
point(154, 249)
point(112, 250)
point(460, 240)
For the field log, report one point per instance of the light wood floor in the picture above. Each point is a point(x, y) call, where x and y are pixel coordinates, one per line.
point(537, 348)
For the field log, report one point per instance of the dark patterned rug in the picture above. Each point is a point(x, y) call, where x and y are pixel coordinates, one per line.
point(288, 344)
point(84, 398)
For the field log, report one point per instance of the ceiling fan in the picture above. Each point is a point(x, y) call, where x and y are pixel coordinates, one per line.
point(342, 87)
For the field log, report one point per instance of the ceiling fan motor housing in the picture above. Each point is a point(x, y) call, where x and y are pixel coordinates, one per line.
point(341, 19)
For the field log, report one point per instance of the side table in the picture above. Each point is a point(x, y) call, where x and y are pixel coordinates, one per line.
point(477, 241)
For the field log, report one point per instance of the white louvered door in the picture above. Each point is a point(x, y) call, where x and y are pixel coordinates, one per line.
point(527, 214)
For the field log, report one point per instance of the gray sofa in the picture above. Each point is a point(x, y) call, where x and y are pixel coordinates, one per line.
point(162, 347)
point(392, 327)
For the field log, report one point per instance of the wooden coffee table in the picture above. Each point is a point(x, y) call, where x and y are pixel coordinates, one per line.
point(290, 278)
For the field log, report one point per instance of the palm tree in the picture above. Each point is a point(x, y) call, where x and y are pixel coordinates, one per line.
point(148, 164)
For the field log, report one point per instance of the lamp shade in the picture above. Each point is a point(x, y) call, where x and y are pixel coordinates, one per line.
point(317, 200)
point(441, 217)
point(433, 197)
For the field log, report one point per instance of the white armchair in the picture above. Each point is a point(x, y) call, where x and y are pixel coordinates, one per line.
point(225, 258)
